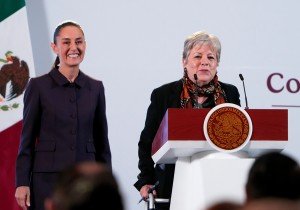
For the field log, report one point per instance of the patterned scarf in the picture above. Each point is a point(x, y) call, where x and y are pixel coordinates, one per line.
point(191, 90)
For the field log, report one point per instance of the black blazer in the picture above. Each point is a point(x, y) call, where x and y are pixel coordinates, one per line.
point(63, 123)
point(162, 98)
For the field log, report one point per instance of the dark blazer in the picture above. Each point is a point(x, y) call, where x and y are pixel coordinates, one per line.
point(63, 123)
point(162, 98)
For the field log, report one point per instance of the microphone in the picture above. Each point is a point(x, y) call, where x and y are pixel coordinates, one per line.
point(242, 78)
point(197, 104)
point(150, 190)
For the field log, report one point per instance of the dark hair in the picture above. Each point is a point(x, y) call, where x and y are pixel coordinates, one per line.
point(88, 186)
point(225, 205)
point(274, 175)
point(57, 32)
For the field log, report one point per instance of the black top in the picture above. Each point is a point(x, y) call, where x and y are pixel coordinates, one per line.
point(63, 123)
point(162, 98)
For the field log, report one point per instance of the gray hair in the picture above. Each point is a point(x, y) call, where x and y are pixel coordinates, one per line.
point(200, 38)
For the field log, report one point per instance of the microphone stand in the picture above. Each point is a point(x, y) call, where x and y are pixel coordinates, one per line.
point(246, 101)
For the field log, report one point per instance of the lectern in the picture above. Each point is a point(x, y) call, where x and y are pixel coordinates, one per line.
point(204, 175)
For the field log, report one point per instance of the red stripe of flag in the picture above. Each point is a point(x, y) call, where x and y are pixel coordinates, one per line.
point(9, 143)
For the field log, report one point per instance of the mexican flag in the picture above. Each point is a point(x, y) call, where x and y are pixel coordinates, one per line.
point(16, 67)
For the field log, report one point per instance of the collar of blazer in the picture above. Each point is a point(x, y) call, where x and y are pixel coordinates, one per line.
point(61, 80)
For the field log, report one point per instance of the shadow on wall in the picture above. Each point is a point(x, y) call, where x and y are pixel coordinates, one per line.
point(39, 35)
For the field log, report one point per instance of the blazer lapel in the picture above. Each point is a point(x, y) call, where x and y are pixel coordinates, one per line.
point(174, 101)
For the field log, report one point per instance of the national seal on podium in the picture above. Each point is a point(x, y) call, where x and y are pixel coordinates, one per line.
point(227, 127)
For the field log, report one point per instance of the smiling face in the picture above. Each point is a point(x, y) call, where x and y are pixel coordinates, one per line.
point(69, 46)
point(202, 60)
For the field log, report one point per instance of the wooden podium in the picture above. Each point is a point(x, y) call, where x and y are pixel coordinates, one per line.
point(204, 175)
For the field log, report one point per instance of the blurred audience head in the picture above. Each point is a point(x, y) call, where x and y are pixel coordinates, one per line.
point(86, 186)
point(272, 204)
point(273, 175)
point(225, 205)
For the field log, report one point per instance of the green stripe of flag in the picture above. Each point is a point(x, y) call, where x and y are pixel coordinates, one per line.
point(8, 7)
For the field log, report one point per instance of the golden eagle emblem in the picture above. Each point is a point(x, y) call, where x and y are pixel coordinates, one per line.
point(228, 127)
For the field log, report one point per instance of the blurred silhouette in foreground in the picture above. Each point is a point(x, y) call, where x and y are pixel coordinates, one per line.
point(225, 205)
point(273, 175)
point(86, 186)
point(273, 184)
point(272, 204)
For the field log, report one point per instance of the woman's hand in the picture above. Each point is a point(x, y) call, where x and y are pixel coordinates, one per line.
point(144, 191)
point(22, 196)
